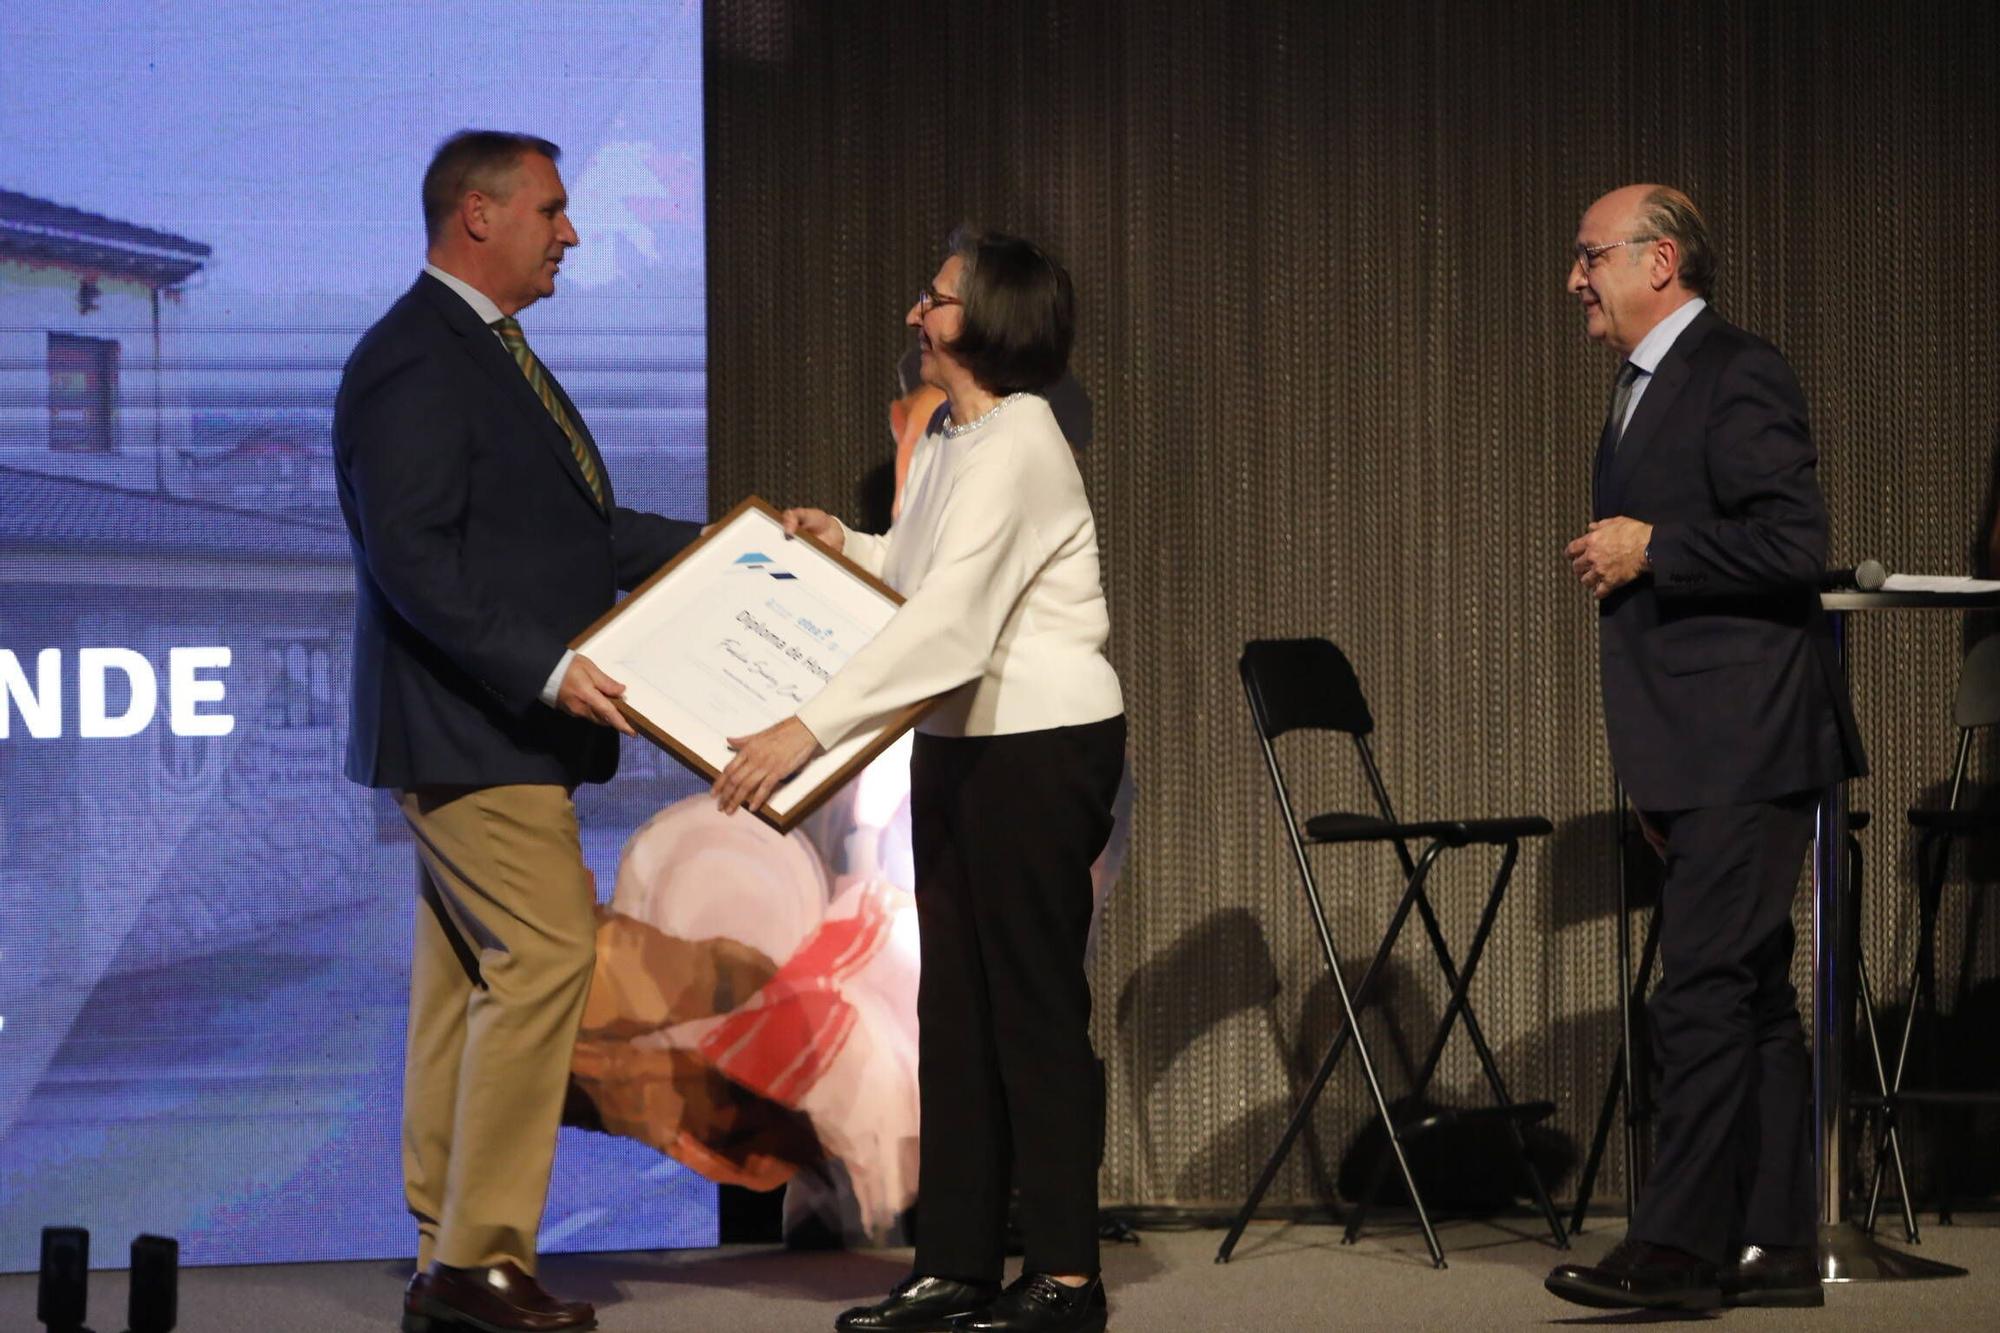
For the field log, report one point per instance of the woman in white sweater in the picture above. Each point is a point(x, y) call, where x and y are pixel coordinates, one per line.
point(1012, 779)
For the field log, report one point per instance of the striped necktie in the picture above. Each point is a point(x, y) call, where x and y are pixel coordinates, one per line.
point(510, 333)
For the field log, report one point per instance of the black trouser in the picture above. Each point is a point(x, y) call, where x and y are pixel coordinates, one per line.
point(1734, 1160)
point(1004, 830)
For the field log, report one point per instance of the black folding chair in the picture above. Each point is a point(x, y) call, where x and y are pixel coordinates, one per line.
point(1976, 707)
point(1630, 1078)
point(1308, 685)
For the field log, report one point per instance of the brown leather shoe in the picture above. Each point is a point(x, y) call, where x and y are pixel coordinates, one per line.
point(499, 1299)
point(415, 1292)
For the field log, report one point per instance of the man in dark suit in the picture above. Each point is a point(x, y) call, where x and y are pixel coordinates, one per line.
point(485, 536)
point(1727, 713)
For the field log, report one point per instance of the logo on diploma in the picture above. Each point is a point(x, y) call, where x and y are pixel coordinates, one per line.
point(758, 560)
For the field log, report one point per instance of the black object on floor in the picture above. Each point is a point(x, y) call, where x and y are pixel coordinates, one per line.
point(62, 1298)
point(750, 1217)
point(153, 1298)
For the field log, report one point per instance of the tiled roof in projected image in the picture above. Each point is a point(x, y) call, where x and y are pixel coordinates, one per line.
point(39, 231)
point(60, 513)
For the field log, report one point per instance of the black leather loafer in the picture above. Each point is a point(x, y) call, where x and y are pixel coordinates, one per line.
point(1786, 1275)
point(1037, 1303)
point(1637, 1275)
point(919, 1305)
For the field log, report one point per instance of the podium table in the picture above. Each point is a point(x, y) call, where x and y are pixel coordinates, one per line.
point(1846, 1253)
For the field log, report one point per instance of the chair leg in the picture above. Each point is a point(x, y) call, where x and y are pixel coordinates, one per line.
point(1452, 1012)
point(1600, 1139)
point(1366, 1203)
point(1888, 1144)
point(1484, 1050)
point(1622, 1073)
point(1930, 887)
point(1931, 903)
point(1638, 1108)
point(1350, 1005)
point(1413, 892)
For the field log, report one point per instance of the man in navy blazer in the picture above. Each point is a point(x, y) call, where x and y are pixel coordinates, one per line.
point(1727, 713)
point(485, 536)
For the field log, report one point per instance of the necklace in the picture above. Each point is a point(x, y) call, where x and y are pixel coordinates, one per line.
point(952, 432)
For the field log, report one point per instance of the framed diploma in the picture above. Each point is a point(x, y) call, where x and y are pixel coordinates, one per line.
point(736, 633)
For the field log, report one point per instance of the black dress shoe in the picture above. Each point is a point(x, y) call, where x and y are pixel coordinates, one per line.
point(498, 1299)
point(919, 1305)
point(1037, 1303)
point(1638, 1275)
point(1774, 1275)
point(414, 1295)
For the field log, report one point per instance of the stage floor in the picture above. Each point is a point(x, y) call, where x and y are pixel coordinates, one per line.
point(1284, 1279)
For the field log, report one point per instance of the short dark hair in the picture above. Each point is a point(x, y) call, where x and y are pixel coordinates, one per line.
point(1671, 215)
point(473, 160)
point(1019, 312)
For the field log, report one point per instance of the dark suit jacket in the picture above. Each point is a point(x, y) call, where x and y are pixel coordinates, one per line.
point(1721, 681)
point(479, 552)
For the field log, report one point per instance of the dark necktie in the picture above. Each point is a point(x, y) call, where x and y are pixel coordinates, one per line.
point(510, 333)
point(1621, 401)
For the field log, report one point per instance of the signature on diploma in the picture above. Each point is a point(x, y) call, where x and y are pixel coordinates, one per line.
point(761, 669)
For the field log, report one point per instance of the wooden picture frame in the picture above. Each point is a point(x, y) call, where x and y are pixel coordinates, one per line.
point(738, 632)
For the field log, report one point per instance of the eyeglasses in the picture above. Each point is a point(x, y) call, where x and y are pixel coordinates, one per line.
point(1586, 255)
point(930, 298)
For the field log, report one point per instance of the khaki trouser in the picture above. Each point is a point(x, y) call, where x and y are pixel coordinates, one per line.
point(505, 943)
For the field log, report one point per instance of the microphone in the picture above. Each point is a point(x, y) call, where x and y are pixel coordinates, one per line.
point(1868, 576)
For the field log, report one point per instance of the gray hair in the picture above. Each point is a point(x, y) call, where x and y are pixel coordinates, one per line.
point(1668, 214)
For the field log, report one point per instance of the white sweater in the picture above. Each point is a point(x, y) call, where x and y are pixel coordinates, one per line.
point(997, 553)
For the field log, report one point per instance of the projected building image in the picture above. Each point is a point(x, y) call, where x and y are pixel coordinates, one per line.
point(204, 929)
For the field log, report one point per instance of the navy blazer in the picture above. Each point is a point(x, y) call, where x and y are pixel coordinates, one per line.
point(479, 552)
point(1721, 681)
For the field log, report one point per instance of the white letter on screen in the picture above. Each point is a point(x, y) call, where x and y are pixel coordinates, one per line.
point(91, 664)
point(185, 690)
point(41, 706)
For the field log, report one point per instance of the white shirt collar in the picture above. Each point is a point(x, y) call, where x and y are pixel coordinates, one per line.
point(482, 305)
point(1653, 347)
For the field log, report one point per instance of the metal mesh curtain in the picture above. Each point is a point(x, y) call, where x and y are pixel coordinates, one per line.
point(1340, 391)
